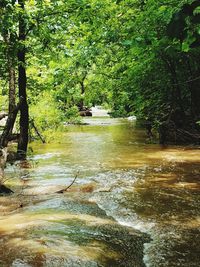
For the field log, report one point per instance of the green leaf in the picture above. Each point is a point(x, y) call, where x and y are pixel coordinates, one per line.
point(185, 47)
point(127, 42)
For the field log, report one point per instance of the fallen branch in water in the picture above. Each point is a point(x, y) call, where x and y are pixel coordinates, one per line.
point(65, 189)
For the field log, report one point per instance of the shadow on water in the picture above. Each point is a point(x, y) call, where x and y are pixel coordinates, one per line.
point(126, 192)
point(169, 196)
point(168, 191)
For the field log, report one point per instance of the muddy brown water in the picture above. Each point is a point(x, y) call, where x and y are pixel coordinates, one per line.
point(133, 203)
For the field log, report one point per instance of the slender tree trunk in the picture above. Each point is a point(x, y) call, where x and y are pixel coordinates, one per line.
point(195, 100)
point(11, 55)
point(22, 80)
point(7, 131)
point(176, 93)
point(12, 87)
point(81, 103)
point(194, 86)
point(9, 39)
point(11, 70)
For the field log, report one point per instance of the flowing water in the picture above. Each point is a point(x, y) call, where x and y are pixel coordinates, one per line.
point(132, 203)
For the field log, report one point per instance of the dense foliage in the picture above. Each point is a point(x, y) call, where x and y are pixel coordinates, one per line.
point(137, 57)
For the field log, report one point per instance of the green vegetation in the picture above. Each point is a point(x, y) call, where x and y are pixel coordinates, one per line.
point(137, 57)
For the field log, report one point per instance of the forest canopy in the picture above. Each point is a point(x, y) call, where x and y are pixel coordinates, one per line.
point(135, 57)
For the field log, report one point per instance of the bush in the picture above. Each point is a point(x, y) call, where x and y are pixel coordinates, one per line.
point(47, 116)
point(72, 115)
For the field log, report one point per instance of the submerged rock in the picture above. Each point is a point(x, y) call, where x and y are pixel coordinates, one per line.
point(5, 190)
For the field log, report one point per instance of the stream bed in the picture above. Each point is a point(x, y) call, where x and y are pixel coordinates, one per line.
point(133, 204)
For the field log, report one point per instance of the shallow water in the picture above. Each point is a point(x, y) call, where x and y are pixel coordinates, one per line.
point(132, 204)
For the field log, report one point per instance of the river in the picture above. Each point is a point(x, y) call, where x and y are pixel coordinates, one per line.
point(133, 204)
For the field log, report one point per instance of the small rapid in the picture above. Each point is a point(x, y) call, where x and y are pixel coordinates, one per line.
point(132, 204)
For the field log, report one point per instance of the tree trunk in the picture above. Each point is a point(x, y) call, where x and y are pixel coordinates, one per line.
point(81, 103)
point(7, 132)
point(194, 86)
point(11, 55)
point(12, 87)
point(3, 159)
point(22, 80)
point(195, 100)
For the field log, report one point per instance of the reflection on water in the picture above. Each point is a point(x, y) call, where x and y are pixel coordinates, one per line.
point(127, 193)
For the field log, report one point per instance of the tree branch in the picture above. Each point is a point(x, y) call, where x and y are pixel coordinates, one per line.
point(65, 189)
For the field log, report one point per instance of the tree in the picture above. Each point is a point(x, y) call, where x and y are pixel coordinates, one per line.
point(9, 51)
point(22, 82)
point(140, 56)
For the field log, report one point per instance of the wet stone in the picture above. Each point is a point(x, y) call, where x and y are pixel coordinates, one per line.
point(5, 190)
point(99, 235)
